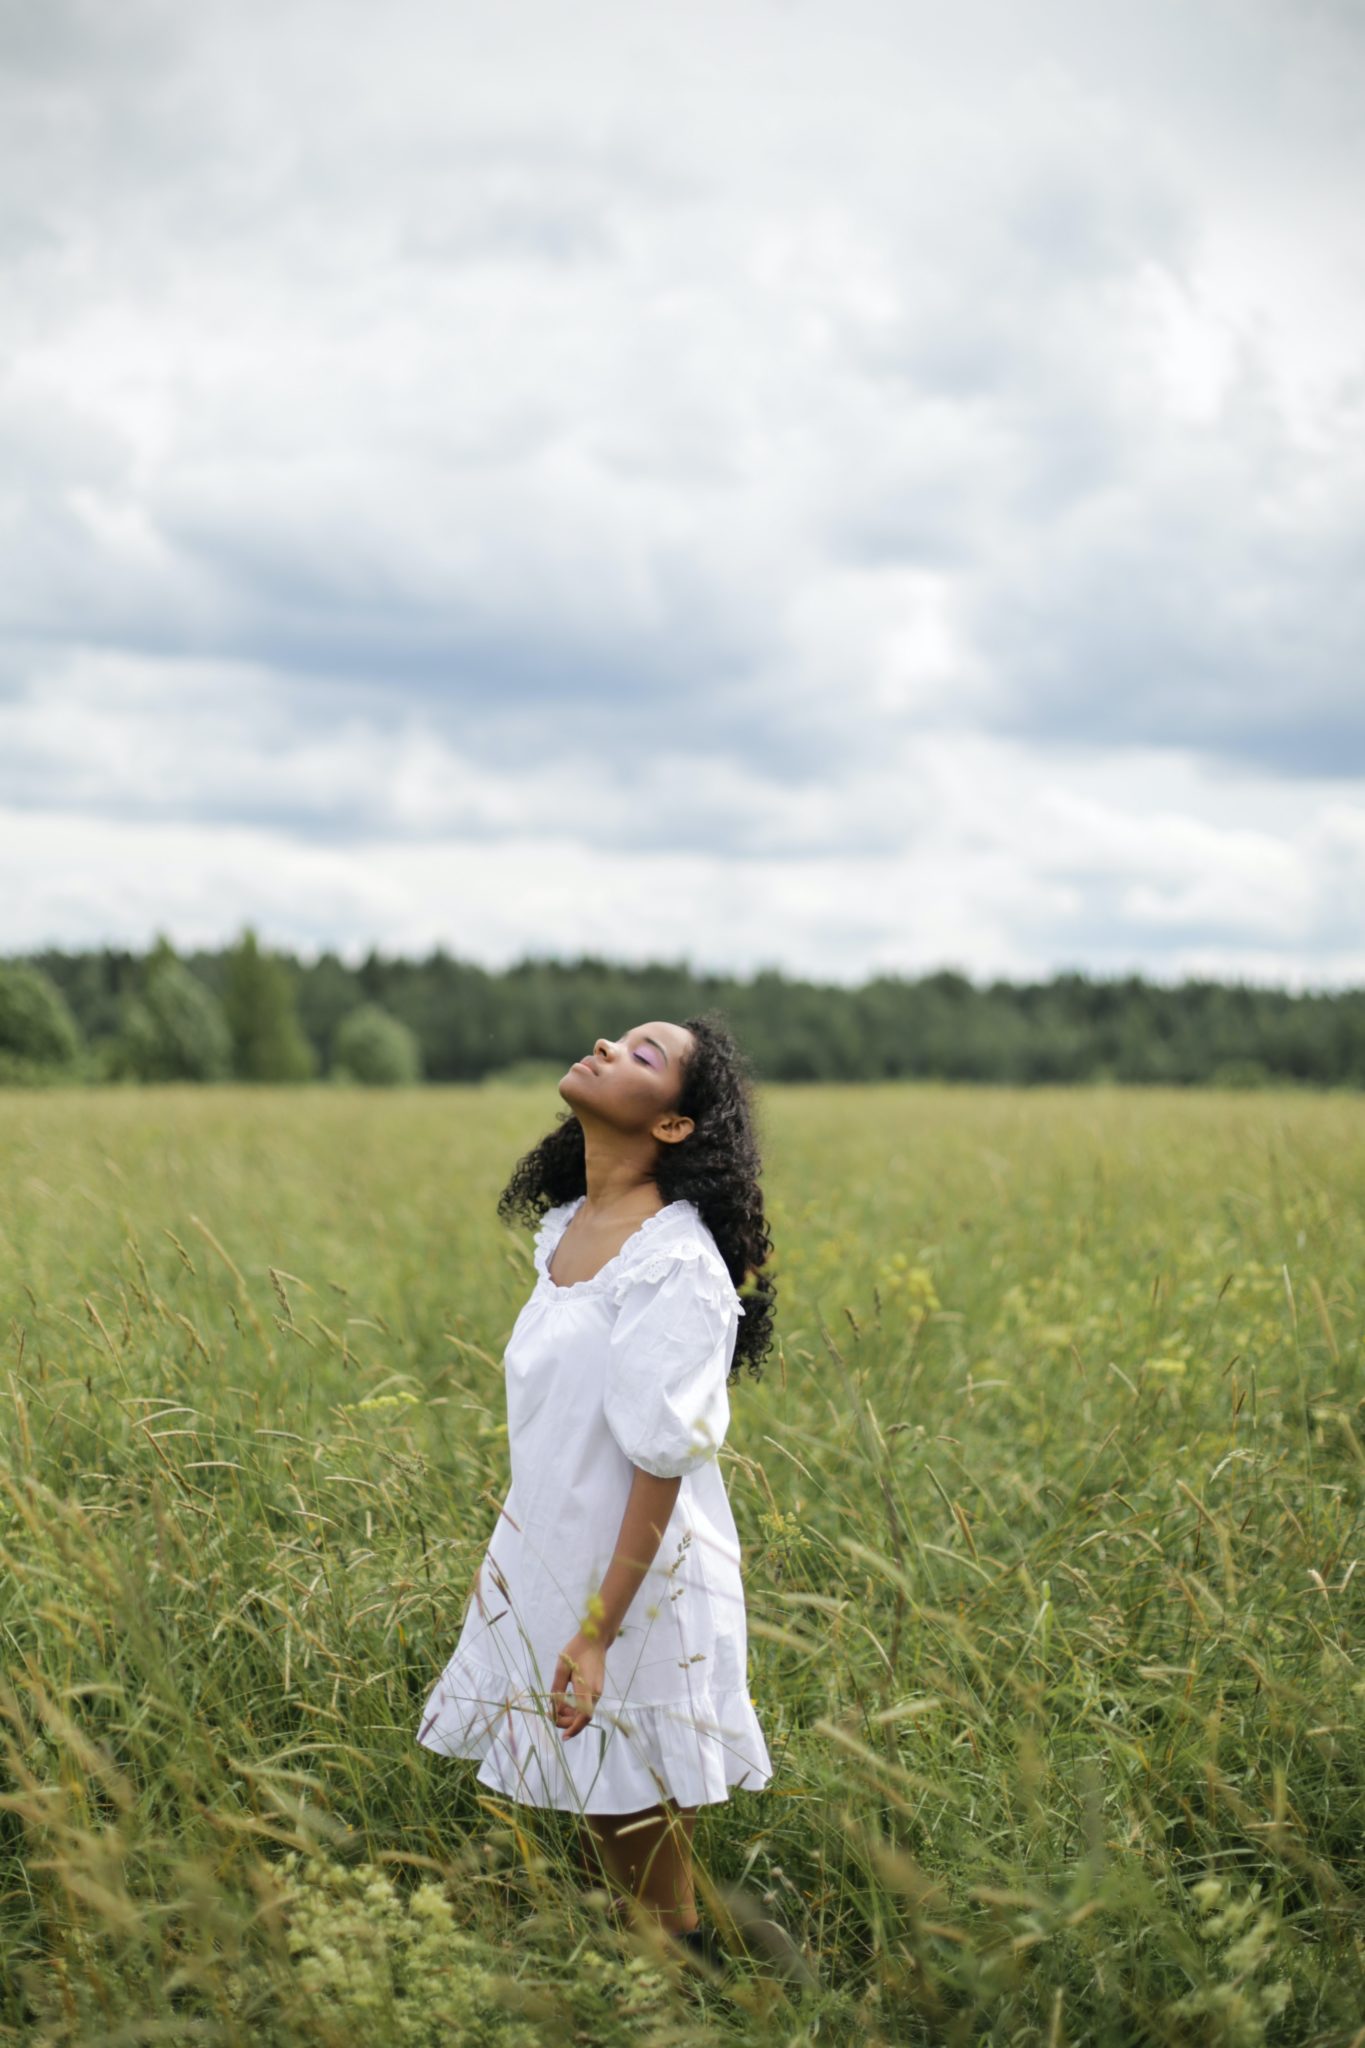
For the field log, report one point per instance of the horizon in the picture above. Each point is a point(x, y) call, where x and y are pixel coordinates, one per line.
point(354, 958)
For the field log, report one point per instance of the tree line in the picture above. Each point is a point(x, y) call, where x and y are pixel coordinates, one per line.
point(246, 1013)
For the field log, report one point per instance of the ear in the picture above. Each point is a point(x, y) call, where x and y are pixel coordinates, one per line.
point(671, 1129)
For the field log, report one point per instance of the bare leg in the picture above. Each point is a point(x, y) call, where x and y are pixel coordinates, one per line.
point(648, 1857)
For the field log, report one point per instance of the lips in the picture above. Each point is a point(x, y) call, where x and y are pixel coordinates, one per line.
point(586, 1063)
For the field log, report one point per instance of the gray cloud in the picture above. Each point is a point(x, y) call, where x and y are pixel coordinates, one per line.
point(774, 392)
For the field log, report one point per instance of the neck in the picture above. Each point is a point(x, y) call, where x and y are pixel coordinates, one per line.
point(619, 1177)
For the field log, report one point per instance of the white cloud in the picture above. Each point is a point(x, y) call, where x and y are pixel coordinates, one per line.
point(742, 441)
point(956, 848)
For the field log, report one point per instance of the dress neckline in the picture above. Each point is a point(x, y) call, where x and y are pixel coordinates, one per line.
point(580, 1286)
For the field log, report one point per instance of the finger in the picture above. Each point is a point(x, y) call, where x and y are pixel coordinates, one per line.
point(563, 1702)
point(579, 1710)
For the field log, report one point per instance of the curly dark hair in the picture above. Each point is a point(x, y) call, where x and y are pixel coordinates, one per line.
point(716, 1167)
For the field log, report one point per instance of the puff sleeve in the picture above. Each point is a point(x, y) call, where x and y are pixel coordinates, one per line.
point(669, 1355)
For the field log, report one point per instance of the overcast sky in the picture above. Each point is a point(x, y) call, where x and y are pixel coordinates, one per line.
point(847, 487)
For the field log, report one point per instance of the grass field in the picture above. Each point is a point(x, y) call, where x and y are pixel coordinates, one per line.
point(1050, 1499)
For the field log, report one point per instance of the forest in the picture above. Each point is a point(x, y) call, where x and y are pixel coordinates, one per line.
point(247, 1013)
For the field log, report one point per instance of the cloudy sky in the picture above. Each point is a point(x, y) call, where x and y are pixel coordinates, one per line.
point(846, 487)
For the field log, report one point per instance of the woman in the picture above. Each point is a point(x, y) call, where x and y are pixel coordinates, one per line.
point(602, 1664)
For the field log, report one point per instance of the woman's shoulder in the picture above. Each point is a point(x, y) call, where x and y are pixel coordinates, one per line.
point(675, 1240)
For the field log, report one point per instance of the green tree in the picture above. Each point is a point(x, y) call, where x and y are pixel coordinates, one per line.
point(326, 991)
point(173, 1029)
point(268, 1043)
point(373, 1047)
point(39, 1038)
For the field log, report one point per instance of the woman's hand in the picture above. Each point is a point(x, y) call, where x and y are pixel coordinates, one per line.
point(582, 1666)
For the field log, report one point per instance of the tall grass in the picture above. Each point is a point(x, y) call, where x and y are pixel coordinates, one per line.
point(1050, 1503)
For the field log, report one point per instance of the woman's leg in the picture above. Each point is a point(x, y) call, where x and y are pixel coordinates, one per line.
point(648, 1856)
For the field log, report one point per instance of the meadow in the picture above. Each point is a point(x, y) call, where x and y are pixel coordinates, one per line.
point(1050, 1497)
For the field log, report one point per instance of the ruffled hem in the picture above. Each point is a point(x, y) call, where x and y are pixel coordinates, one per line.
point(636, 1260)
point(628, 1757)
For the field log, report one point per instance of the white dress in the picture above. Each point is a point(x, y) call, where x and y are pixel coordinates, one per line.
point(623, 1369)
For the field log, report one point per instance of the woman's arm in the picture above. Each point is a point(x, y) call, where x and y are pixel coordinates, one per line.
point(582, 1662)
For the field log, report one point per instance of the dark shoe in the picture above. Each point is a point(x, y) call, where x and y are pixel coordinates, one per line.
point(701, 1944)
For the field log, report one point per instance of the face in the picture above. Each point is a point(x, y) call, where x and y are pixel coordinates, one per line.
point(633, 1082)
